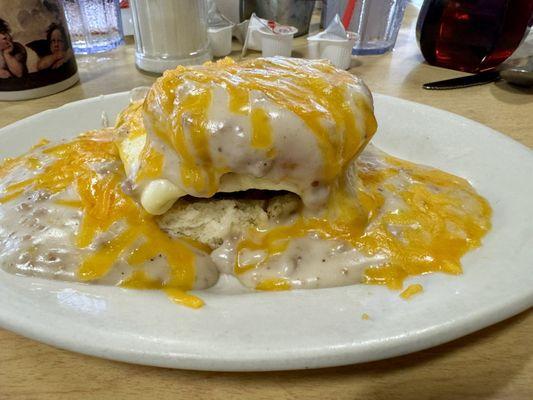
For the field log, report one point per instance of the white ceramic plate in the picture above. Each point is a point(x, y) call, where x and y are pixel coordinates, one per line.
point(298, 329)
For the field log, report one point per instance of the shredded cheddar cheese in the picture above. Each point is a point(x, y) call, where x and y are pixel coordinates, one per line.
point(439, 219)
point(274, 285)
point(177, 105)
point(406, 218)
point(103, 204)
point(411, 290)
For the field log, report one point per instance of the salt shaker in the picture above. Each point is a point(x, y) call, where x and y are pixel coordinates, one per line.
point(169, 33)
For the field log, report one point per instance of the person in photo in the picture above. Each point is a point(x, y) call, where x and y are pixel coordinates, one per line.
point(12, 54)
point(60, 51)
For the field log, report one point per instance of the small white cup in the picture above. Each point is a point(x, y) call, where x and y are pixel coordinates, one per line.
point(220, 40)
point(338, 51)
point(277, 44)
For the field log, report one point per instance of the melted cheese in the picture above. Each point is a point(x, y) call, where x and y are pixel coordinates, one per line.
point(418, 220)
point(387, 219)
point(295, 122)
point(84, 174)
point(197, 116)
point(411, 290)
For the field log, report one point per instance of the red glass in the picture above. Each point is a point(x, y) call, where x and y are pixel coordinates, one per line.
point(471, 35)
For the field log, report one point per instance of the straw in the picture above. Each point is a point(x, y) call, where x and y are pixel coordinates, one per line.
point(348, 13)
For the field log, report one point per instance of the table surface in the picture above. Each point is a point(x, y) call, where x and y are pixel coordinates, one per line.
point(495, 363)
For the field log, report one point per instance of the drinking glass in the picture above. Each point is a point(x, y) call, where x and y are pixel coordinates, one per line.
point(169, 33)
point(376, 22)
point(472, 35)
point(95, 25)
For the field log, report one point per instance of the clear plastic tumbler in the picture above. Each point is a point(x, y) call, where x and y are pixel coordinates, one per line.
point(376, 23)
point(94, 25)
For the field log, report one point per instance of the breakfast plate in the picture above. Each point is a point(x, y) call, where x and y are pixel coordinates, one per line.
point(241, 330)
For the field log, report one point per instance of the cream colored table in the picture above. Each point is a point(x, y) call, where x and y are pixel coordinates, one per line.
point(495, 363)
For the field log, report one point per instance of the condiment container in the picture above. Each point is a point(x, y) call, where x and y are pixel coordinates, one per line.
point(220, 40)
point(277, 41)
point(338, 51)
point(169, 33)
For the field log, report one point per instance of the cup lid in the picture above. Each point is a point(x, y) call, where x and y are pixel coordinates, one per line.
point(281, 30)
